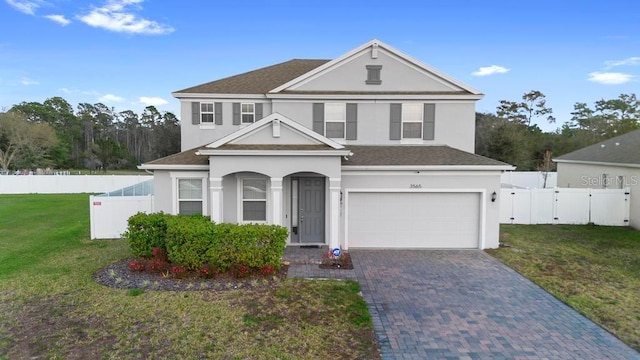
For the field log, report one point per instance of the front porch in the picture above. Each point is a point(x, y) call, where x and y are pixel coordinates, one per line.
point(306, 203)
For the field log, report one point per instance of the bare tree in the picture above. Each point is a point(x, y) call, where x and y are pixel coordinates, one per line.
point(21, 139)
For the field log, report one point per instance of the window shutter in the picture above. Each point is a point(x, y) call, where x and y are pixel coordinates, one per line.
point(218, 113)
point(195, 113)
point(258, 109)
point(236, 113)
point(395, 130)
point(428, 121)
point(318, 118)
point(352, 122)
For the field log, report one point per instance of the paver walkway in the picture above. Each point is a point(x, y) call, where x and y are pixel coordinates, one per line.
point(467, 305)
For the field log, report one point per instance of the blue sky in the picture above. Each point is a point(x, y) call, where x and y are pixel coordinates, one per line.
point(132, 53)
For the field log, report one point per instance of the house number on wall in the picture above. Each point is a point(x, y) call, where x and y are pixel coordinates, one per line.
point(415, 186)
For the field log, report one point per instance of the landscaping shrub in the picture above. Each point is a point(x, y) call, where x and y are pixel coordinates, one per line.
point(146, 231)
point(253, 245)
point(188, 240)
point(197, 244)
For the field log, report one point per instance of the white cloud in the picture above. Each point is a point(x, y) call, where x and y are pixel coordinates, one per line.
point(115, 16)
point(65, 90)
point(60, 19)
point(26, 81)
point(609, 78)
point(634, 60)
point(490, 70)
point(26, 6)
point(110, 98)
point(153, 101)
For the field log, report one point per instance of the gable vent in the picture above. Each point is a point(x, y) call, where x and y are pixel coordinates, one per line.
point(373, 75)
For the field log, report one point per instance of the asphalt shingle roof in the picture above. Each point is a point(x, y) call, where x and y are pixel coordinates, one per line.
point(623, 149)
point(421, 155)
point(399, 155)
point(187, 157)
point(259, 81)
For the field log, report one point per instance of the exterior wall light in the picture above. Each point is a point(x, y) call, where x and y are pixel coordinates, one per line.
point(494, 196)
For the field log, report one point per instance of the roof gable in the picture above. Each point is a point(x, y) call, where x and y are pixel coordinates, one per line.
point(399, 73)
point(623, 149)
point(275, 129)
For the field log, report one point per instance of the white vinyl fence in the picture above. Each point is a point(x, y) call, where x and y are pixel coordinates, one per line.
point(529, 179)
point(66, 184)
point(565, 206)
point(109, 214)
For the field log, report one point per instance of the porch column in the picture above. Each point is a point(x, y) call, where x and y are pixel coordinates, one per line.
point(215, 186)
point(334, 212)
point(276, 201)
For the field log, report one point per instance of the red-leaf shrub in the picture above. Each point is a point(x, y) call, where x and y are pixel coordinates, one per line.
point(178, 270)
point(208, 271)
point(239, 271)
point(137, 265)
point(268, 270)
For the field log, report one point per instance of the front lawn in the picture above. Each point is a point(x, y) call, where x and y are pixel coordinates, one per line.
point(50, 307)
point(594, 269)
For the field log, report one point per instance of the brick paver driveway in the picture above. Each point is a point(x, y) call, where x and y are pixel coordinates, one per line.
point(467, 305)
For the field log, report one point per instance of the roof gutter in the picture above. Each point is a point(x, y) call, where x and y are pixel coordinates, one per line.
point(429, 167)
point(596, 163)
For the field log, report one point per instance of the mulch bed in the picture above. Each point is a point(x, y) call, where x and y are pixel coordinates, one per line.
point(119, 276)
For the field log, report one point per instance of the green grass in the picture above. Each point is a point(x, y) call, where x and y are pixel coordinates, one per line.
point(594, 269)
point(51, 308)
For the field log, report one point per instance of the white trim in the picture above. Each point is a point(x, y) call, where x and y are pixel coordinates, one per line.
point(483, 206)
point(253, 113)
point(267, 120)
point(427, 168)
point(180, 175)
point(375, 96)
point(172, 167)
point(207, 126)
point(343, 121)
point(191, 174)
point(277, 191)
point(207, 96)
point(326, 67)
point(582, 162)
point(420, 173)
point(420, 121)
point(366, 100)
point(212, 113)
point(275, 152)
point(240, 198)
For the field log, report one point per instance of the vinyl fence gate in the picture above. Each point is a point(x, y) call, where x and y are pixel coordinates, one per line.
point(565, 206)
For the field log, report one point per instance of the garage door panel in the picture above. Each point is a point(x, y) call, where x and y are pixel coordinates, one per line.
point(413, 220)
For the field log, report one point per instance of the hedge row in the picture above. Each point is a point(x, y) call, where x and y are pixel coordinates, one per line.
point(195, 241)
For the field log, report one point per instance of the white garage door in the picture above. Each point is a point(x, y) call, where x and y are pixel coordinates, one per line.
point(413, 220)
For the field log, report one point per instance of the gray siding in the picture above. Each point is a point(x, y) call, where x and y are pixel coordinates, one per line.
point(397, 76)
point(454, 123)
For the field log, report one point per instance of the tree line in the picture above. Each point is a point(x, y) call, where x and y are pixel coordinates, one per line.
point(510, 134)
point(93, 136)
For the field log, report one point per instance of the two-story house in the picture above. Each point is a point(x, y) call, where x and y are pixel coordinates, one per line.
point(371, 149)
